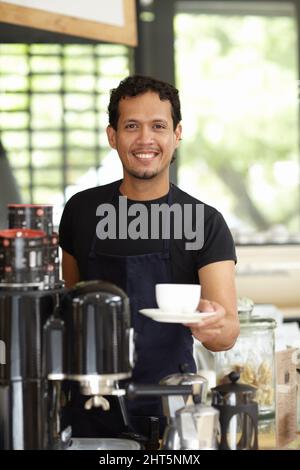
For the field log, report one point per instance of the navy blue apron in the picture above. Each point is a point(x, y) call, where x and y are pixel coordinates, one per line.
point(160, 347)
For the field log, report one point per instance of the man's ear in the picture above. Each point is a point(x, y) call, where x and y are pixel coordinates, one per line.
point(111, 135)
point(178, 132)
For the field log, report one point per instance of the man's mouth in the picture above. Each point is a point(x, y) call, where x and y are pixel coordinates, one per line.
point(145, 155)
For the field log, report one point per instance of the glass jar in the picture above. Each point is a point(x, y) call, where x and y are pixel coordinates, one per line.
point(253, 356)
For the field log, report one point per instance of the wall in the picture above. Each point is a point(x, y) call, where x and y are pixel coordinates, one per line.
point(270, 274)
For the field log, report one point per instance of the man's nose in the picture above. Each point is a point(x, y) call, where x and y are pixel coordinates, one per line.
point(145, 134)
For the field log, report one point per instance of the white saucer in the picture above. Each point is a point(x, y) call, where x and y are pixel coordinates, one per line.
point(168, 317)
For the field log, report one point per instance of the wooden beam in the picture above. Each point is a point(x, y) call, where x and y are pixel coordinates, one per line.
point(41, 19)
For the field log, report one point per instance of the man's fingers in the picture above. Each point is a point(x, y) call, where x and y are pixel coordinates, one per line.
point(206, 306)
point(207, 334)
point(216, 321)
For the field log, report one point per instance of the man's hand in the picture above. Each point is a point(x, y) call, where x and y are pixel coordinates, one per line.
point(219, 332)
point(209, 328)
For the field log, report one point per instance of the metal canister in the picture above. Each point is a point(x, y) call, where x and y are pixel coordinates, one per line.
point(39, 217)
point(21, 256)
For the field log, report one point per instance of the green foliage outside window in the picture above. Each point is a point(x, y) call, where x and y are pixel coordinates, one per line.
point(238, 81)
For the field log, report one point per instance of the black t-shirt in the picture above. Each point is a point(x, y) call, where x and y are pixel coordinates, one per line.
point(79, 222)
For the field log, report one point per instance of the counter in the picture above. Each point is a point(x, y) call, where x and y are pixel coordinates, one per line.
point(267, 438)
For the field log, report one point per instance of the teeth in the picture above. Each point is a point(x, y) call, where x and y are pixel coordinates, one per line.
point(144, 155)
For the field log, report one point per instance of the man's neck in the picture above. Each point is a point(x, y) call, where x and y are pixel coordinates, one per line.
point(144, 190)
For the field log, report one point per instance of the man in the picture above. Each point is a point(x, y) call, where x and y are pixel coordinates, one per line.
point(145, 129)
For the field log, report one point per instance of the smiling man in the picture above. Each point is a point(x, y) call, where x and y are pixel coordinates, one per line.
point(145, 138)
point(145, 129)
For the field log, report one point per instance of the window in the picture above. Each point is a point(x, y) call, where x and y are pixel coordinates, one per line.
point(237, 72)
point(53, 115)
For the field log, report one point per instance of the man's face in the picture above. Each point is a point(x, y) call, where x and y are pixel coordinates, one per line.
point(145, 138)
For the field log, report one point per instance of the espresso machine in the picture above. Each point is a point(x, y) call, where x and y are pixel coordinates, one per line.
point(58, 343)
point(98, 353)
point(68, 351)
point(54, 337)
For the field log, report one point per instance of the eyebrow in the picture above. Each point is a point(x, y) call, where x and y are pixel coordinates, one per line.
point(161, 120)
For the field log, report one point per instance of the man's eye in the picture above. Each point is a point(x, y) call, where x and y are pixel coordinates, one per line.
point(159, 126)
point(131, 125)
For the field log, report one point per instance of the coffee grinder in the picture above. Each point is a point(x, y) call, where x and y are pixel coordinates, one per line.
point(27, 301)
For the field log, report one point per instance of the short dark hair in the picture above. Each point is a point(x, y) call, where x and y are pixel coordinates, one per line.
point(138, 84)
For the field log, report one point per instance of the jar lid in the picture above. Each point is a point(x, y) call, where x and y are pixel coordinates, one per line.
point(245, 307)
point(257, 322)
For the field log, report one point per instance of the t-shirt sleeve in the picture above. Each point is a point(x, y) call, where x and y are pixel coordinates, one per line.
point(218, 242)
point(66, 229)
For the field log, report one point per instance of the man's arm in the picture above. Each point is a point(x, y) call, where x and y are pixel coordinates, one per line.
point(70, 270)
point(219, 332)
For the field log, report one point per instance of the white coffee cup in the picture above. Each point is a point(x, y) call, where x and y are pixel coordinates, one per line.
point(178, 298)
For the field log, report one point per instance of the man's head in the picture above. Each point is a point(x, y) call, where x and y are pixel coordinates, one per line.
point(137, 85)
point(144, 127)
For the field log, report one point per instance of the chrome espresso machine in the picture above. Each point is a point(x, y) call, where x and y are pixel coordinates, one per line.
point(63, 343)
point(51, 335)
